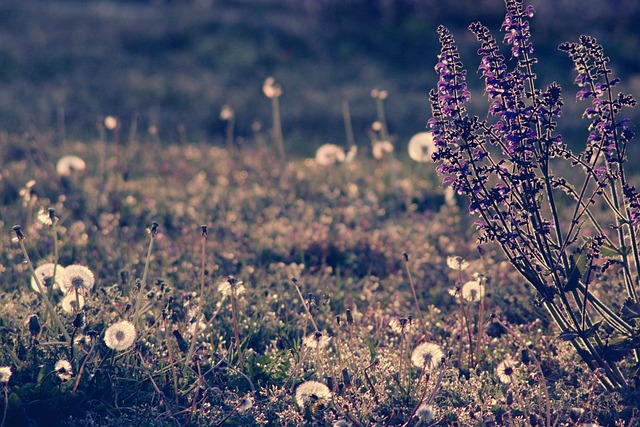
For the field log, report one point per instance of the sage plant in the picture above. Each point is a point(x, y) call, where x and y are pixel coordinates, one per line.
point(562, 235)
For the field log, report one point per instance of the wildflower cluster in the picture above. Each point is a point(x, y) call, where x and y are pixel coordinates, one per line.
point(505, 166)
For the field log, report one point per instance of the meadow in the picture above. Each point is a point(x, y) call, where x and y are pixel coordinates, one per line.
point(157, 283)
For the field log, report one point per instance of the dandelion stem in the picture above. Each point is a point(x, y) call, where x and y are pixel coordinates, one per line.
point(43, 294)
point(304, 303)
point(413, 291)
point(153, 231)
point(196, 326)
point(234, 312)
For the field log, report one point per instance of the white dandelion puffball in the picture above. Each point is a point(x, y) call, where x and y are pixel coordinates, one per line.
point(473, 290)
point(380, 148)
point(270, 88)
point(232, 286)
point(329, 154)
point(316, 340)
point(77, 277)
point(45, 273)
point(120, 335)
point(456, 263)
point(67, 165)
point(311, 391)
point(5, 374)
point(71, 304)
point(425, 413)
point(421, 147)
point(427, 356)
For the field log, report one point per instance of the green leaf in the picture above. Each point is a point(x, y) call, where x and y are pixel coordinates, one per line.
point(568, 335)
point(609, 251)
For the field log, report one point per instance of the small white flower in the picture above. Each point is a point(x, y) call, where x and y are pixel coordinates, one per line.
point(5, 374)
point(68, 165)
point(120, 335)
point(421, 147)
point(77, 277)
point(427, 356)
point(311, 392)
point(44, 273)
point(505, 370)
point(63, 369)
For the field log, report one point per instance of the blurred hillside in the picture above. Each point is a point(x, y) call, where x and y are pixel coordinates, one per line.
point(173, 63)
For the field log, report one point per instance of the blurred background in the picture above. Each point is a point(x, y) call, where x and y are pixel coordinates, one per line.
point(173, 64)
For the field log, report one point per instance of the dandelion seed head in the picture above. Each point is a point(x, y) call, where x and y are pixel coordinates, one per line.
point(457, 263)
point(316, 340)
point(380, 148)
point(5, 374)
point(226, 113)
point(120, 335)
point(427, 356)
point(44, 273)
point(473, 290)
point(270, 88)
point(70, 304)
point(425, 413)
point(110, 122)
point(77, 278)
point(421, 147)
point(68, 165)
point(231, 285)
point(46, 218)
point(329, 154)
point(311, 391)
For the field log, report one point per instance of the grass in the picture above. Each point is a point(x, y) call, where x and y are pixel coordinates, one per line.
point(329, 259)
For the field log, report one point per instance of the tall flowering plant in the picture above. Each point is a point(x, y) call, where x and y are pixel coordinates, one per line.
point(563, 237)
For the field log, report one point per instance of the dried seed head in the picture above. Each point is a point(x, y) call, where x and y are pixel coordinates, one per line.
point(204, 230)
point(349, 317)
point(34, 325)
point(406, 256)
point(154, 228)
point(18, 230)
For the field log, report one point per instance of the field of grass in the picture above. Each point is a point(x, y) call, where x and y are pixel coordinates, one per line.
point(303, 265)
point(151, 275)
